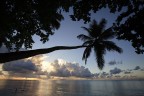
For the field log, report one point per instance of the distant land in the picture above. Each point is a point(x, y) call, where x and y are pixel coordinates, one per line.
point(64, 78)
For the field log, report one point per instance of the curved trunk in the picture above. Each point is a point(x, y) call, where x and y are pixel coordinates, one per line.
point(6, 57)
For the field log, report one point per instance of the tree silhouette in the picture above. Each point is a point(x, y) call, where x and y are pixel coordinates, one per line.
point(98, 40)
point(6, 57)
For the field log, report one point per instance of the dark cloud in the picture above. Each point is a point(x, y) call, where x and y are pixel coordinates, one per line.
point(125, 77)
point(115, 71)
point(127, 72)
point(137, 68)
point(104, 75)
point(96, 75)
point(114, 62)
point(110, 76)
point(117, 76)
point(20, 66)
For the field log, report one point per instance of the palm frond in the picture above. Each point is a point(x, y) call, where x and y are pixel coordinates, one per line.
point(88, 43)
point(102, 24)
point(95, 29)
point(86, 54)
point(93, 23)
point(107, 34)
point(111, 46)
point(89, 31)
point(86, 29)
point(83, 37)
point(99, 54)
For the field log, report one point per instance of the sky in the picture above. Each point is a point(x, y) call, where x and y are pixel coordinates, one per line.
point(127, 64)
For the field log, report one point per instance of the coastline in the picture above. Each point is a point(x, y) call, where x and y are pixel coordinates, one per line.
point(68, 78)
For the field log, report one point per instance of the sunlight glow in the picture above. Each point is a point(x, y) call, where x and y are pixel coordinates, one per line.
point(46, 66)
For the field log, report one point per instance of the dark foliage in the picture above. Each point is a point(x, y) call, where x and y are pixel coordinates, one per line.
point(20, 20)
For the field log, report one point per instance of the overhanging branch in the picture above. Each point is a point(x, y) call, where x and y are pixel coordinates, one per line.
point(6, 57)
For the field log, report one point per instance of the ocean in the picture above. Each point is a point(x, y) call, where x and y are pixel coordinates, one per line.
point(71, 88)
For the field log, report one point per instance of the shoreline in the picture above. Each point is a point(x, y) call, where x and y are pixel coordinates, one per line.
point(69, 78)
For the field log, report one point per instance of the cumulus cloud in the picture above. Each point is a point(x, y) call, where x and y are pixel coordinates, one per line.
point(63, 68)
point(115, 71)
point(128, 71)
point(96, 75)
point(104, 75)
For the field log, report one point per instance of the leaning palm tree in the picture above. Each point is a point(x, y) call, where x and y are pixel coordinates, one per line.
point(98, 40)
point(6, 57)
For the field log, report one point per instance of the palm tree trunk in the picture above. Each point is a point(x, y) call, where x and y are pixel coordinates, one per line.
point(6, 57)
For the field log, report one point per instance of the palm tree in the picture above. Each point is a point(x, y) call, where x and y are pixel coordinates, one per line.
point(98, 40)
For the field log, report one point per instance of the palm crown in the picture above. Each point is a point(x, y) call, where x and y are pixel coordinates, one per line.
point(98, 40)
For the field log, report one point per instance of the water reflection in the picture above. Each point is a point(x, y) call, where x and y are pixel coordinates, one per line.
point(117, 88)
point(71, 88)
point(64, 88)
point(18, 87)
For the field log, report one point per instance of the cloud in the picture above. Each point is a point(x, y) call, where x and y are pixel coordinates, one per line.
point(137, 68)
point(96, 75)
point(63, 68)
point(117, 76)
point(20, 66)
point(104, 75)
point(114, 62)
point(115, 71)
point(127, 72)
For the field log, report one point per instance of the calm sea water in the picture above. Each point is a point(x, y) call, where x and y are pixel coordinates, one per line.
point(71, 88)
